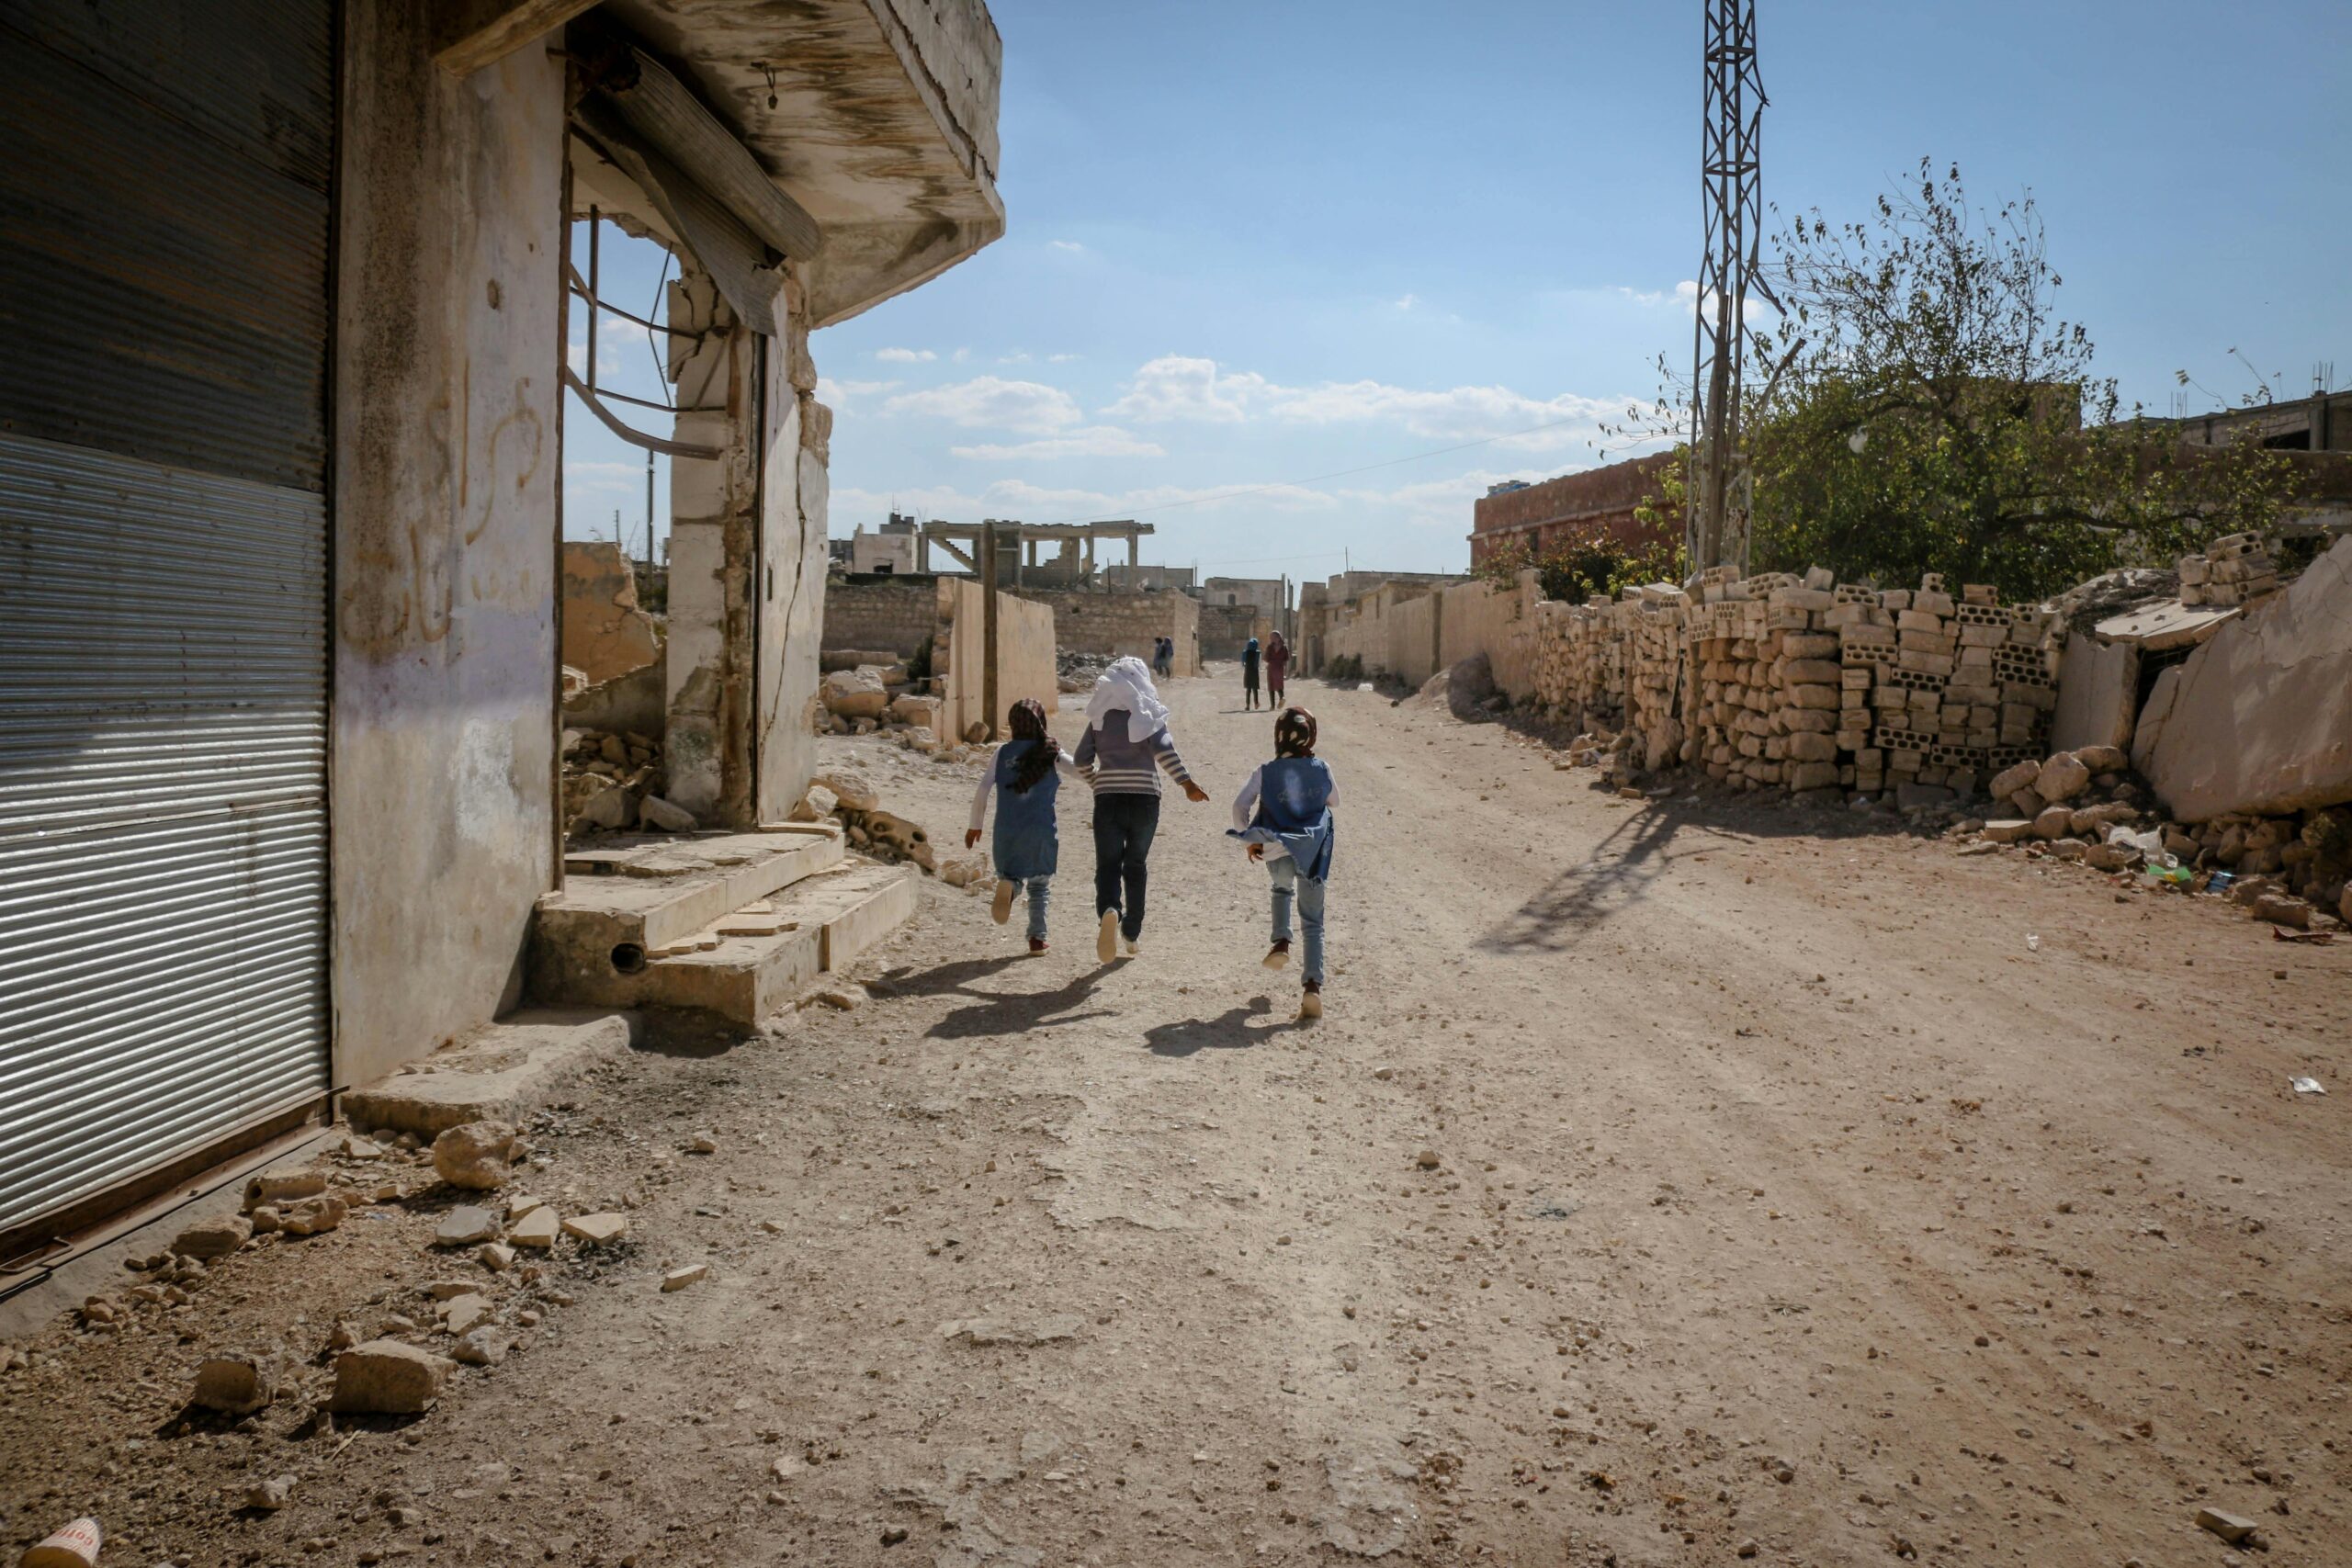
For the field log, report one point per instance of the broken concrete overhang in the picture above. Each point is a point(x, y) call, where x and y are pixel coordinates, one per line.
point(877, 117)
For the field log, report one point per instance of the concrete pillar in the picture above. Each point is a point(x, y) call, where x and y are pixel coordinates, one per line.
point(714, 516)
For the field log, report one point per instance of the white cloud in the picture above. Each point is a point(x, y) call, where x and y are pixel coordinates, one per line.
point(1173, 387)
point(1176, 388)
point(1033, 502)
point(905, 355)
point(840, 394)
point(1018, 356)
point(1062, 358)
point(1406, 302)
point(1093, 441)
point(991, 403)
point(1072, 246)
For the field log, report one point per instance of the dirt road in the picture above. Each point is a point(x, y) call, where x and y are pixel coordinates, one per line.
point(1784, 1193)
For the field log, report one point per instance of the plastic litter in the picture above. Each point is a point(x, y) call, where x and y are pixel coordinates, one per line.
point(2220, 882)
point(2032, 943)
point(2307, 1085)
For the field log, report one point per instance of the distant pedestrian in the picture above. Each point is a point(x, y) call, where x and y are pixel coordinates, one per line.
point(1249, 675)
point(1277, 662)
point(1024, 775)
point(1127, 745)
point(1163, 656)
point(1283, 814)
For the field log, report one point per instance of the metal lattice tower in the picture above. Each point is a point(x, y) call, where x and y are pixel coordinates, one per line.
point(1733, 205)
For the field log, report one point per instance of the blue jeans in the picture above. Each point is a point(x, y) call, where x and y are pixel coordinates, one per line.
point(1037, 887)
point(1309, 893)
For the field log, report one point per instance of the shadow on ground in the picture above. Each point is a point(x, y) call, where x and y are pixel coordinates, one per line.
point(1232, 1030)
point(992, 1012)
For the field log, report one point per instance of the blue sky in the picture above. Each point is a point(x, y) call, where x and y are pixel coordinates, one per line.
point(1256, 243)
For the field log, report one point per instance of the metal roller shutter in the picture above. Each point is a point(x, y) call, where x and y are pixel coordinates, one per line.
point(163, 244)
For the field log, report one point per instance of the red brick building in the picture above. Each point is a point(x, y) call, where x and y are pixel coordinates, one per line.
point(1575, 508)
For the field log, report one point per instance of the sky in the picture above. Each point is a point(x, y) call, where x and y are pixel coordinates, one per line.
point(1296, 280)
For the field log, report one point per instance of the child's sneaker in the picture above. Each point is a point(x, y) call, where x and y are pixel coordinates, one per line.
point(1036, 946)
point(1002, 910)
point(1277, 957)
point(1106, 939)
point(1135, 945)
point(1310, 1001)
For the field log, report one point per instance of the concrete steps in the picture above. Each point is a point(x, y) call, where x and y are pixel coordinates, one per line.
point(738, 926)
point(500, 1073)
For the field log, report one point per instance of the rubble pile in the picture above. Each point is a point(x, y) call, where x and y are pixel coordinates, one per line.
point(849, 798)
point(867, 698)
point(613, 783)
point(2237, 569)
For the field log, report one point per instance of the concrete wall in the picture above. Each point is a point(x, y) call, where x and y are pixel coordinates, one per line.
point(796, 498)
point(1024, 645)
point(898, 616)
point(449, 333)
point(1479, 618)
point(1224, 627)
point(1121, 624)
point(604, 633)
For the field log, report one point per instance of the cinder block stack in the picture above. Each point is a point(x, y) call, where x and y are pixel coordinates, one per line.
point(1806, 682)
point(2237, 569)
point(1865, 632)
point(1654, 643)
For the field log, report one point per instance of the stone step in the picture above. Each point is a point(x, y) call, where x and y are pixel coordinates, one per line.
point(818, 925)
point(653, 895)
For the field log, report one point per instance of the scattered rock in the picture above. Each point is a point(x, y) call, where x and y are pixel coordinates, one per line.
point(1428, 1159)
point(482, 1347)
point(596, 1230)
point(2063, 777)
point(998, 1331)
point(465, 1226)
point(2232, 1527)
point(210, 1239)
point(281, 1187)
point(496, 1256)
point(384, 1377)
point(536, 1229)
point(476, 1154)
point(655, 812)
point(314, 1218)
point(702, 1144)
point(268, 1496)
point(265, 1219)
point(850, 789)
point(231, 1384)
point(679, 1278)
point(2008, 829)
point(2281, 910)
point(465, 1314)
point(843, 998)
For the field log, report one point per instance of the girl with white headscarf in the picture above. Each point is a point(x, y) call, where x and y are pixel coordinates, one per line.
point(1128, 743)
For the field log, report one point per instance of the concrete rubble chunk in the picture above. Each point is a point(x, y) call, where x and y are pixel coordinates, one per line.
point(2260, 720)
point(316, 1217)
point(2010, 781)
point(521, 1204)
point(2232, 1527)
point(475, 1154)
point(211, 1238)
point(2008, 829)
point(655, 812)
point(465, 1314)
point(853, 789)
point(496, 1256)
point(2054, 823)
point(465, 1226)
point(482, 1347)
point(596, 1230)
point(2102, 759)
point(232, 1384)
point(2280, 909)
point(384, 1377)
point(855, 694)
point(281, 1187)
point(679, 1278)
point(536, 1229)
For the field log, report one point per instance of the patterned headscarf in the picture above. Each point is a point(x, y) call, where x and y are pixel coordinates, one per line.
point(1294, 733)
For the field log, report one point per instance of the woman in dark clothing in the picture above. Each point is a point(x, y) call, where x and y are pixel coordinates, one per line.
point(1249, 675)
point(1277, 662)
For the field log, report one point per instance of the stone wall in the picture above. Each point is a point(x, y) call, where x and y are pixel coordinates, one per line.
point(1024, 646)
point(1224, 627)
point(1122, 624)
point(604, 633)
point(898, 616)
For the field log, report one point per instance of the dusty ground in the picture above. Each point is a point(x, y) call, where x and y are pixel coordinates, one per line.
point(1785, 1195)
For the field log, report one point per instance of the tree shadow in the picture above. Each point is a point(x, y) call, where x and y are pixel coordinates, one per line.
point(1229, 1031)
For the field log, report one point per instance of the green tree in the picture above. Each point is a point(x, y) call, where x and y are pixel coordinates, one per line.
point(1577, 571)
point(1921, 406)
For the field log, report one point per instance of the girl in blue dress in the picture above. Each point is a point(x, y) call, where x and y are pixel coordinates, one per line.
point(1283, 814)
point(1024, 775)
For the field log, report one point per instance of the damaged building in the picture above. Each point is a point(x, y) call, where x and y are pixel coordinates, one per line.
point(281, 503)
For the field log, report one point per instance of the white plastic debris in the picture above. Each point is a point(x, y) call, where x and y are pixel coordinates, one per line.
point(2306, 1085)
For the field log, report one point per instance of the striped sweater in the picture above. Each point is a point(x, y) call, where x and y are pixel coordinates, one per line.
point(1129, 767)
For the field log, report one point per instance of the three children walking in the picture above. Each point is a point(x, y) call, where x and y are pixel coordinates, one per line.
point(1282, 817)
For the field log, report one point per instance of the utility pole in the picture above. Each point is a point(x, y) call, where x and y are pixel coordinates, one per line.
point(648, 510)
point(1733, 204)
point(988, 625)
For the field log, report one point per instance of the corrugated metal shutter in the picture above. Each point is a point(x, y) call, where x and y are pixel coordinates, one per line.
point(164, 309)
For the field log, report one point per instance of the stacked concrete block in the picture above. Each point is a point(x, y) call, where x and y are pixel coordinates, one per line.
point(1805, 683)
point(2237, 569)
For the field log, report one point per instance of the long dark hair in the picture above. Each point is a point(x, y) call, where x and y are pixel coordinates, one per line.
point(1029, 724)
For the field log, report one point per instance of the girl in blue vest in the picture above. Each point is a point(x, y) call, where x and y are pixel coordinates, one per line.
point(1283, 814)
point(1024, 775)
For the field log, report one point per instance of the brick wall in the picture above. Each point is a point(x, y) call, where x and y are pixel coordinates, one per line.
point(897, 616)
point(1595, 504)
